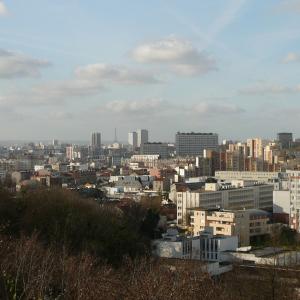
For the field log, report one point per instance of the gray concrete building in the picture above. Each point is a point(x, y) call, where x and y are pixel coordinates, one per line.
point(193, 144)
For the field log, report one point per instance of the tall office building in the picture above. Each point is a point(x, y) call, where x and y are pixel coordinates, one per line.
point(193, 144)
point(132, 139)
point(285, 139)
point(95, 148)
point(142, 137)
point(96, 140)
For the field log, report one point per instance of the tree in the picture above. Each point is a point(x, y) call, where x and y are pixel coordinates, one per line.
point(61, 218)
point(149, 225)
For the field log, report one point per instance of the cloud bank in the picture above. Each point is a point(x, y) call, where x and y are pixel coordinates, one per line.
point(158, 108)
point(178, 54)
point(15, 65)
point(86, 81)
point(115, 74)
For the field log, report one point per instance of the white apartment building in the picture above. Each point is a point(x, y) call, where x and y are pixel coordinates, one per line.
point(133, 139)
point(294, 184)
point(282, 202)
point(193, 144)
point(246, 175)
point(230, 197)
point(149, 161)
point(210, 251)
point(245, 224)
point(287, 200)
point(205, 247)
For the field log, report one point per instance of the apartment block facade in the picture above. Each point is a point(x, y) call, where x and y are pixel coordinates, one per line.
point(245, 224)
point(193, 144)
point(257, 196)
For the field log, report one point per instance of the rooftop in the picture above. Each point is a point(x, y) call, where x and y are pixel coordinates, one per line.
point(196, 133)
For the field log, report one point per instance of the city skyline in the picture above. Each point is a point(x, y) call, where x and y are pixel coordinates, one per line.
point(151, 139)
point(149, 149)
point(70, 68)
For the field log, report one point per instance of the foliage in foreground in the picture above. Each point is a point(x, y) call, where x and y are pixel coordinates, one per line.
point(62, 219)
point(28, 270)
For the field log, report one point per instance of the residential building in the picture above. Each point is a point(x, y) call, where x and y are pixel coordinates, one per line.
point(149, 161)
point(245, 175)
point(70, 153)
point(161, 149)
point(193, 144)
point(247, 225)
point(133, 140)
point(95, 148)
point(142, 137)
point(96, 140)
point(294, 184)
point(234, 196)
point(256, 147)
point(282, 206)
point(206, 248)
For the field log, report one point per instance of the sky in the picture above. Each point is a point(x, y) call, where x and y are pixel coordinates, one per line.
point(72, 67)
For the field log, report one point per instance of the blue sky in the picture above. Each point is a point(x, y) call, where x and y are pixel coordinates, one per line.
point(70, 67)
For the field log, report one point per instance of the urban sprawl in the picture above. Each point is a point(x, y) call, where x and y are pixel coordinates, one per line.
point(219, 201)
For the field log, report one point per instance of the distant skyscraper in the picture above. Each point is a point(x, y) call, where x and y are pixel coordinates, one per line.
point(286, 139)
point(132, 139)
point(55, 142)
point(96, 140)
point(193, 144)
point(142, 137)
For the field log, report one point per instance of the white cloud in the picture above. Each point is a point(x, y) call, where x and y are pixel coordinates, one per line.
point(269, 89)
point(87, 81)
point(176, 53)
point(3, 9)
point(65, 89)
point(116, 74)
point(153, 108)
point(206, 108)
point(53, 93)
point(291, 57)
point(14, 65)
point(135, 107)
